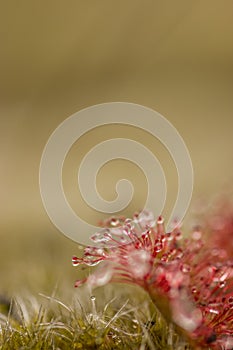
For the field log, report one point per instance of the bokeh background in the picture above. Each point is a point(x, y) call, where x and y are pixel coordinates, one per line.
point(58, 57)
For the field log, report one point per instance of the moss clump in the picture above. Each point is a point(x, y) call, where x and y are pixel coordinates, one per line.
point(29, 324)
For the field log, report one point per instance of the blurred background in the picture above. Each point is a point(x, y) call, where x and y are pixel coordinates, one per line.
point(58, 57)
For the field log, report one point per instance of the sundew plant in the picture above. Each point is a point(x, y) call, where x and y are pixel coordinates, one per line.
point(188, 278)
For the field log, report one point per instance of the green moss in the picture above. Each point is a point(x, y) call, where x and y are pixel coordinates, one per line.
point(114, 325)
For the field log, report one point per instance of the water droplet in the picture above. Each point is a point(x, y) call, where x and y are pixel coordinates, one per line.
point(76, 261)
point(185, 268)
point(101, 236)
point(223, 277)
point(126, 230)
point(169, 236)
point(164, 258)
point(222, 284)
point(213, 311)
point(129, 223)
point(93, 297)
point(160, 220)
point(172, 251)
point(178, 235)
point(194, 290)
point(107, 236)
point(114, 222)
point(99, 251)
point(158, 247)
point(179, 254)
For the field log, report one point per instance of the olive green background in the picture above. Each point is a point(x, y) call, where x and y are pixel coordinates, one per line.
point(58, 57)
